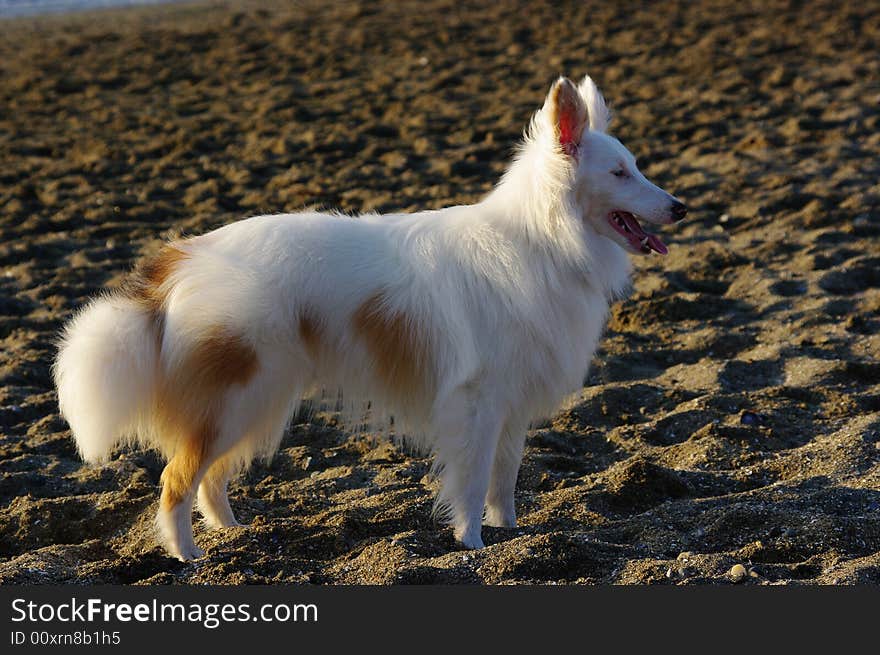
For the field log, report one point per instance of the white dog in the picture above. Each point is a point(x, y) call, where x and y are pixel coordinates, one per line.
point(464, 324)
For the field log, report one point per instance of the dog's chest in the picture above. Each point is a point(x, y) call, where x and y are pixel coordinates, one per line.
point(553, 346)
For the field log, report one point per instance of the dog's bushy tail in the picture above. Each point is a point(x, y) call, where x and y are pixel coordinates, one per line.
point(106, 373)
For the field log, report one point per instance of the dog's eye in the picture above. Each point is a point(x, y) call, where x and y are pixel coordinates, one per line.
point(619, 172)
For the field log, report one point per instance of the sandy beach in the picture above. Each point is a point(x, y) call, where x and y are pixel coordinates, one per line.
point(732, 413)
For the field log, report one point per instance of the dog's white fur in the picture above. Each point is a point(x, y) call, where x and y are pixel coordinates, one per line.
point(505, 301)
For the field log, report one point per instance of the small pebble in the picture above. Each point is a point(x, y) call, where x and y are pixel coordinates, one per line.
point(669, 573)
point(749, 418)
point(738, 573)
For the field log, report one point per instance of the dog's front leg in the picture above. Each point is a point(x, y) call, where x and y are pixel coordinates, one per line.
point(500, 508)
point(465, 452)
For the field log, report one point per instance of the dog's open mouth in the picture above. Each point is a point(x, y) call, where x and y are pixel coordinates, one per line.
point(640, 241)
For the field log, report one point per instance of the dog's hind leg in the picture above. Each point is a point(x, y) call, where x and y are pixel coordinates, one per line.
point(254, 418)
point(212, 498)
point(500, 507)
point(180, 478)
point(203, 463)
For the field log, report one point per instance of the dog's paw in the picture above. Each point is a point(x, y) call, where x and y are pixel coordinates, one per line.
point(192, 554)
point(470, 539)
point(187, 553)
point(213, 523)
point(496, 518)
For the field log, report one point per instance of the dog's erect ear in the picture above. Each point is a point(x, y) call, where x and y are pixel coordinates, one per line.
point(597, 110)
point(568, 114)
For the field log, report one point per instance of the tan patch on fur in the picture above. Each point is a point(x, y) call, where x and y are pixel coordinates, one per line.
point(221, 359)
point(147, 284)
point(310, 334)
point(398, 353)
point(181, 471)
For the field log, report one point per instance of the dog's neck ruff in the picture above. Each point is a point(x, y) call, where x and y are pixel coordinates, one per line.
point(535, 198)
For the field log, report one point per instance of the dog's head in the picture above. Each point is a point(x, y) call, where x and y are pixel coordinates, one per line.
point(609, 190)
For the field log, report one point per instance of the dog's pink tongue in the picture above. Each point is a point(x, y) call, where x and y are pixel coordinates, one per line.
point(656, 244)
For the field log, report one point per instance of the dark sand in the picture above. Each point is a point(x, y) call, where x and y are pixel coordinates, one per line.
point(732, 415)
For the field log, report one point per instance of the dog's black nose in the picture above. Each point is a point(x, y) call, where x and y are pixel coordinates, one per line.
point(678, 210)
